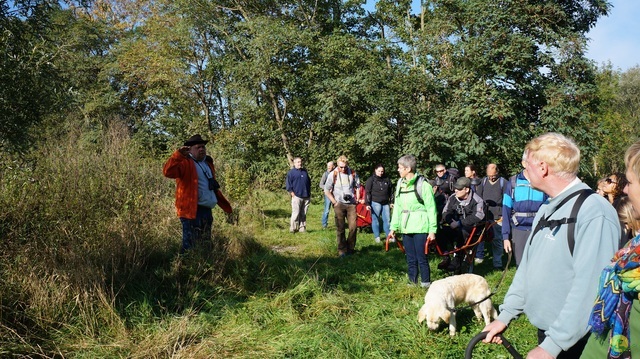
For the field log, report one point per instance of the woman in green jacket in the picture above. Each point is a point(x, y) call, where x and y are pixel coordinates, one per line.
point(414, 216)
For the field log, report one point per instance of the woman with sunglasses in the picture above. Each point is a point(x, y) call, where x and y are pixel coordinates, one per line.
point(613, 186)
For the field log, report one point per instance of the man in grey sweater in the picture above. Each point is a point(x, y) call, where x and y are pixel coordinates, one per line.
point(556, 282)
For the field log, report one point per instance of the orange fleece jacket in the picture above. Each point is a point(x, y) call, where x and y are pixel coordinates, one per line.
point(183, 170)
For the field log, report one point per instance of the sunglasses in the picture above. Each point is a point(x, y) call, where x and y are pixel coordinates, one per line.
point(610, 181)
point(439, 171)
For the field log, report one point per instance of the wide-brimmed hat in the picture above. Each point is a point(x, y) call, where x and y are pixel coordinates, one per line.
point(194, 140)
point(462, 182)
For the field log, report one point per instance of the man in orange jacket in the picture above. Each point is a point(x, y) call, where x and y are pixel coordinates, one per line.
point(197, 190)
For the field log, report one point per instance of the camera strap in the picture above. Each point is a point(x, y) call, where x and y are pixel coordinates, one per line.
point(350, 182)
point(206, 174)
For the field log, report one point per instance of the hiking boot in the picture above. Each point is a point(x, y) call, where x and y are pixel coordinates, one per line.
point(444, 263)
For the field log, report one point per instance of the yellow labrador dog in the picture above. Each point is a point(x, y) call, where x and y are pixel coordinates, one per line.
point(445, 294)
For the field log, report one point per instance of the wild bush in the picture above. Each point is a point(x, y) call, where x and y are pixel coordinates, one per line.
point(86, 225)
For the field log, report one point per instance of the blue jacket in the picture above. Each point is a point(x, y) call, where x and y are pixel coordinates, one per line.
point(520, 203)
point(299, 183)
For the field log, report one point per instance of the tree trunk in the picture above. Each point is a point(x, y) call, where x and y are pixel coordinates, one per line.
point(280, 116)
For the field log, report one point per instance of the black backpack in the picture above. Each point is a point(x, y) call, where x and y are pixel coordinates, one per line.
point(452, 176)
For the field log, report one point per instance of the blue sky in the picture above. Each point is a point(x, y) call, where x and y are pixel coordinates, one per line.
point(615, 38)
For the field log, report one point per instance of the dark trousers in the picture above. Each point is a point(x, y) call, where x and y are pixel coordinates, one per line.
point(345, 212)
point(573, 353)
point(416, 259)
point(448, 235)
point(196, 230)
point(518, 240)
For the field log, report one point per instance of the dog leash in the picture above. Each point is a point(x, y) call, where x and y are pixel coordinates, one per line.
point(494, 291)
point(475, 340)
point(398, 242)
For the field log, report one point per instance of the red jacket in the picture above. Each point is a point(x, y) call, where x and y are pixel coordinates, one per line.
point(183, 169)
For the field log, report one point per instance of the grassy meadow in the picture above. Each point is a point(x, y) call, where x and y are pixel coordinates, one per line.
point(90, 270)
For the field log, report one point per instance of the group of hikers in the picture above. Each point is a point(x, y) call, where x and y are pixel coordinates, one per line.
point(577, 255)
point(451, 207)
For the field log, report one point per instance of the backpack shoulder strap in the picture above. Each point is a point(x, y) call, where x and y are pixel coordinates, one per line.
point(417, 188)
point(512, 179)
point(570, 221)
point(571, 237)
point(335, 176)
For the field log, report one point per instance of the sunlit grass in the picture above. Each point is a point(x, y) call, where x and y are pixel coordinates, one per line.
point(94, 272)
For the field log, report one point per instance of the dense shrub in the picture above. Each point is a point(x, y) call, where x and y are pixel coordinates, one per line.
point(86, 224)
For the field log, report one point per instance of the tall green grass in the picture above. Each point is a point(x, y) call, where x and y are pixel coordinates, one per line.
point(90, 269)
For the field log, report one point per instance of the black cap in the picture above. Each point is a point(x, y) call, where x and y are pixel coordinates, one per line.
point(194, 140)
point(462, 182)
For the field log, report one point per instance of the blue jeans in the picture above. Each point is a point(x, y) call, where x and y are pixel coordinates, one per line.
point(496, 244)
point(325, 214)
point(196, 230)
point(416, 259)
point(378, 212)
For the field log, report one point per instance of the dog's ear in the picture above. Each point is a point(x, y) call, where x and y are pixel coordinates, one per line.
point(446, 316)
point(422, 314)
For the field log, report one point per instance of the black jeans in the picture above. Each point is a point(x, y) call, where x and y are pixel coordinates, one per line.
point(196, 230)
point(457, 237)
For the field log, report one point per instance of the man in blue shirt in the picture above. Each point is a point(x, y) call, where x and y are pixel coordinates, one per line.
point(299, 187)
point(520, 203)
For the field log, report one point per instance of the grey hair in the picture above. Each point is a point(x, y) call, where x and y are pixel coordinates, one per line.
point(408, 161)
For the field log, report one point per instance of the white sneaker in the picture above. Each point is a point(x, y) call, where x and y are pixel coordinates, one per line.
point(478, 261)
point(377, 239)
point(425, 284)
point(392, 239)
point(302, 230)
